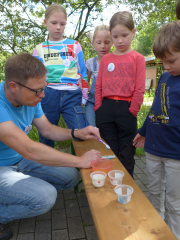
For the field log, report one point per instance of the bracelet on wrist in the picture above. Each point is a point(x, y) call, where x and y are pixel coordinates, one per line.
point(72, 134)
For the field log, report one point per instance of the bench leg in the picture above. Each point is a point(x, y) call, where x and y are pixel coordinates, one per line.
point(72, 149)
point(76, 189)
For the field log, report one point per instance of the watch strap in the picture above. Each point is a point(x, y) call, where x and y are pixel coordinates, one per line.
point(72, 134)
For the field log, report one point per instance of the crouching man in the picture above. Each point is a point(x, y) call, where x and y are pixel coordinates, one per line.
point(30, 172)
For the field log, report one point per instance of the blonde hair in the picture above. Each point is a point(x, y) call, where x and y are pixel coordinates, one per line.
point(51, 9)
point(167, 39)
point(100, 28)
point(54, 8)
point(124, 18)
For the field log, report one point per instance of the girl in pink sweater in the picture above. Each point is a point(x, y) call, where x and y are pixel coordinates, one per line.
point(119, 90)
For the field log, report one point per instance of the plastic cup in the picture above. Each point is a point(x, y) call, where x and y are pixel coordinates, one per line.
point(98, 178)
point(116, 177)
point(123, 193)
point(103, 165)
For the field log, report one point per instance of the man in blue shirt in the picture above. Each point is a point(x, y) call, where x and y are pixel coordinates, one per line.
point(30, 172)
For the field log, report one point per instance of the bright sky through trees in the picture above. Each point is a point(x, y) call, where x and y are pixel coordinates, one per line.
point(103, 18)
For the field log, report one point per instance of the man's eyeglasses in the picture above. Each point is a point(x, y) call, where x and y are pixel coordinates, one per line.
point(37, 92)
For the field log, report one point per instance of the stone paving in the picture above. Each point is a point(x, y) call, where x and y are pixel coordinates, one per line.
point(70, 218)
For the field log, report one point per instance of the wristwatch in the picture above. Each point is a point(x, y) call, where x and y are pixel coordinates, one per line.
point(72, 134)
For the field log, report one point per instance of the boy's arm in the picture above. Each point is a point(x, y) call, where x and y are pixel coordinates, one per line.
point(82, 71)
point(138, 141)
point(142, 130)
point(138, 96)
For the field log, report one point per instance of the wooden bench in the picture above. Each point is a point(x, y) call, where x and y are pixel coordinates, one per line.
point(137, 220)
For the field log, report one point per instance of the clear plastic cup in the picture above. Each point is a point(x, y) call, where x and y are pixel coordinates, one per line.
point(98, 178)
point(103, 165)
point(123, 193)
point(116, 177)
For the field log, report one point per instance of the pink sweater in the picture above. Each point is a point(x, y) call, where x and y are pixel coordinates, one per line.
point(126, 80)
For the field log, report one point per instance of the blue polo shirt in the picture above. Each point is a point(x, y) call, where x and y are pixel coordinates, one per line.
point(22, 118)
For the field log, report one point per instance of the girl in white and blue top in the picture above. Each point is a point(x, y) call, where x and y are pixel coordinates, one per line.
point(102, 43)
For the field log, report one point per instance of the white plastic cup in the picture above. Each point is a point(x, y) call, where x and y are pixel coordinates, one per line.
point(98, 178)
point(123, 193)
point(116, 177)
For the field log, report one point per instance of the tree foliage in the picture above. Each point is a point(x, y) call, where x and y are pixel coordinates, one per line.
point(149, 17)
point(22, 26)
point(155, 10)
point(22, 21)
point(144, 39)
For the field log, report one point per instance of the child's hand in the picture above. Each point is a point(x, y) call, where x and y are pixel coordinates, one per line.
point(138, 141)
point(82, 105)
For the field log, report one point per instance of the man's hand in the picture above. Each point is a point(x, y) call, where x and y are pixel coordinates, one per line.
point(89, 132)
point(88, 157)
point(138, 141)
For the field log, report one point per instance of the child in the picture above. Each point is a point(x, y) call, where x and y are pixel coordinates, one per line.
point(161, 129)
point(119, 90)
point(64, 61)
point(102, 43)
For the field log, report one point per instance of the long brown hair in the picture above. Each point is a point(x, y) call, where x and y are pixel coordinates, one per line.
point(124, 18)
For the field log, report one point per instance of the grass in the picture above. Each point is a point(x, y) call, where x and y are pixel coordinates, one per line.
point(65, 145)
point(148, 98)
point(140, 119)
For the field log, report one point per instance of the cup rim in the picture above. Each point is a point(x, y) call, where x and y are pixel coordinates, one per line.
point(114, 171)
point(102, 160)
point(124, 186)
point(98, 172)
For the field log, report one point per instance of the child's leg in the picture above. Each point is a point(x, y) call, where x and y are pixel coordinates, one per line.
point(127, 127)
point(172, 171)
point(106, 125)
point(90, 114)
point(126, 156)
point(50, 106)
point(71, 109)
point(118, 128)
point(156, 182)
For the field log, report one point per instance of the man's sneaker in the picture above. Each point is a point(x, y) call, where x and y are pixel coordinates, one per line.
point(5, 232)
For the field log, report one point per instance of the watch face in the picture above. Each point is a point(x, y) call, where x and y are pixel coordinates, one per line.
point(75, 129)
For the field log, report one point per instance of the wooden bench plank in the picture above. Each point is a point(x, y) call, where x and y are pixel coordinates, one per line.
point(137, 220)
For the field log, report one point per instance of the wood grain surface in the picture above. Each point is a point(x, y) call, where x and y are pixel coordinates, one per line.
point(137, 220)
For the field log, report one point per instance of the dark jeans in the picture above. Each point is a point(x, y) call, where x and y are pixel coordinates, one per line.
point(118, 127)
